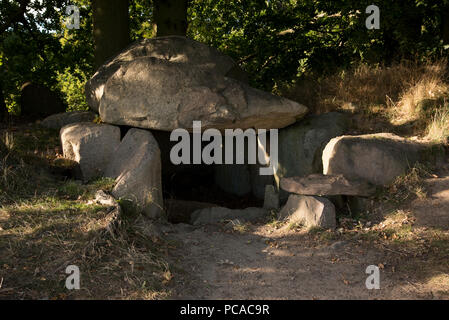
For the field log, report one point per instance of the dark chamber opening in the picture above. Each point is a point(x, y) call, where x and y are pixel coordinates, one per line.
point(192, 183)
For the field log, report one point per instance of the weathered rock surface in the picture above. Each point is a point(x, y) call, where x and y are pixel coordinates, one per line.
point(271, 200)
point(91, 145)
point(59, 120)
point(309, 210)
point(218, 214)
point(136, 166)
point(377, 158)
point(301, 145)
point(174, 48)
point(168, 82)
point(327, 185)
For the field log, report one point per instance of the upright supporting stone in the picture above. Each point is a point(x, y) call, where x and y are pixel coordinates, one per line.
point(271, 200)
point(137, 169)
point(301, 145)
point(91, 145)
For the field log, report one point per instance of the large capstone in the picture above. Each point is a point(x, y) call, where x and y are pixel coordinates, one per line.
point(168, 82)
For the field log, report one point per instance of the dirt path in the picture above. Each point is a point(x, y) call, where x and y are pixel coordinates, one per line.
point(263, 262)
point(214, 264)
point(433, 211)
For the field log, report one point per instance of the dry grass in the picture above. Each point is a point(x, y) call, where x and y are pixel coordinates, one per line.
point(408, 186)
point(47, 223)
point(41, 237)
point(438, 128)
point(424, 93)
point(406, 96)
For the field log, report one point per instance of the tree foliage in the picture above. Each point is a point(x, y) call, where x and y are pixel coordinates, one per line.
point(280, 40)
point(275, 41)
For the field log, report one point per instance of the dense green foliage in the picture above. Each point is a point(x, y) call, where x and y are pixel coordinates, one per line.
point(38, 47)
point(275, 41)
point(278, 41)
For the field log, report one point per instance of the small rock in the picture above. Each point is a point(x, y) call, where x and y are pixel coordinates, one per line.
point(309, 210)
point(226, 262)
point(180, 211)
point(183, 227)
point(271, 200)
point(103, 198)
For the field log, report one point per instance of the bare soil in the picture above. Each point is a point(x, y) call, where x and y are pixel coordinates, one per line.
point(269, 261)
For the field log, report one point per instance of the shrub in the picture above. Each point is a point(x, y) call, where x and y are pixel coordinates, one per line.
point(71, 83)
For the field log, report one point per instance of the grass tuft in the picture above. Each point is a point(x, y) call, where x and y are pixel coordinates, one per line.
point(408, 186)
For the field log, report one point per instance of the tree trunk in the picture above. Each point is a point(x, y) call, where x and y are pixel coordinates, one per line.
point(3, 110)
point(171, 17)
point(110, 28)
point(445, 25)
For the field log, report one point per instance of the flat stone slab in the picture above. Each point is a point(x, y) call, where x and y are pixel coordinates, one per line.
point(328, 185)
